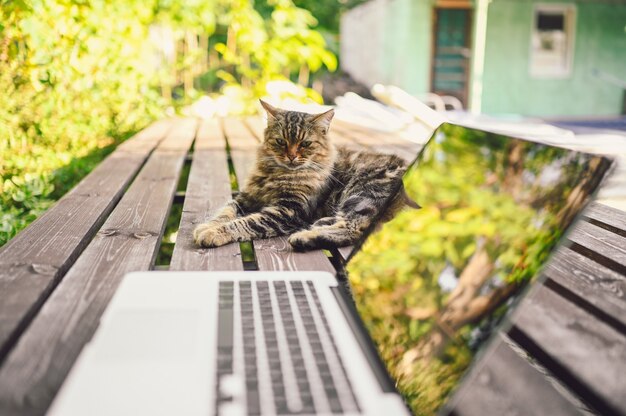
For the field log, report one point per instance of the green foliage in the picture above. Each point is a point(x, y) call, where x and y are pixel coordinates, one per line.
point(327, 12)
point(259, 51)
point(71, 85)
point(79, 77)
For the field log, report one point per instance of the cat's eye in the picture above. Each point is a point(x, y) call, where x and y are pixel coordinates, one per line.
point(280, 142)
point(305, 144)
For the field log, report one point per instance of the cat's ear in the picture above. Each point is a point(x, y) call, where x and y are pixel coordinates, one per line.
point(272, 112)
point(323, 120)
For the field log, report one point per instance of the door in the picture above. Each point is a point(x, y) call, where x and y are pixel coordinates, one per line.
point(451, 63)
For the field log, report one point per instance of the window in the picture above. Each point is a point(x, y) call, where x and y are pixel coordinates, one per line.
point(552, 42)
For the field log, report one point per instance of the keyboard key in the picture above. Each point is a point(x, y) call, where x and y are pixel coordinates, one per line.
point(232, 385)
point(225, 329)
point(335, 405)
point(251, 384)
point(231, 409)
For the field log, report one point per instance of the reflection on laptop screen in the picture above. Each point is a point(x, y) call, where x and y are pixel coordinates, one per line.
point(431, 284)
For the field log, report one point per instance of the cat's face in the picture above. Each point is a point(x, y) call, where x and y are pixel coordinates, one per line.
point(295, 140)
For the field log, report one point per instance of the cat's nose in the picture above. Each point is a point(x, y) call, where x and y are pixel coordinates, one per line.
point(292, 153)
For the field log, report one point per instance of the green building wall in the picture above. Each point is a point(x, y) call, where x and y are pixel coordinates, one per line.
point(407, 44)
point(403, 56)
point(600, 43)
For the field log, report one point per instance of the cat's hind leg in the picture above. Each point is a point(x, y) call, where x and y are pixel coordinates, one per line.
point(330, 232)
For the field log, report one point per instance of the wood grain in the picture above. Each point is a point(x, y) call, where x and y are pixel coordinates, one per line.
point(277, 254)
point(345, 252)
point(586, 353)
point(128, 241)
point(606, 215)
point(33, 262)
point(243, 147)
point(505, 382)
point(274, 253)
point(208, 189)
point(603, 242)
point(590, 281)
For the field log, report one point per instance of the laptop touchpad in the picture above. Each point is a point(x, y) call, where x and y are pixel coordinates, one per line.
point(148, 334)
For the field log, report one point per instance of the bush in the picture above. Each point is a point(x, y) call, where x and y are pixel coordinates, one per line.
point(78, 77)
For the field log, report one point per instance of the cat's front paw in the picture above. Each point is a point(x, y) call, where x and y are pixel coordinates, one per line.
point(211, 235)
point(199, 229)
point(303, 240)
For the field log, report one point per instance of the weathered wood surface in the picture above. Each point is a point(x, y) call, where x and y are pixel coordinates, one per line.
point(243, 146)
point(378, 141)
point(567, 346)
point(273, 253)
point(603, 214)
point(605, 244)
point(507, 382)
point(586, 352)
point(208, 189)
point(33, 262)
point(128, 241)
point(256, 125)
point(590, 282)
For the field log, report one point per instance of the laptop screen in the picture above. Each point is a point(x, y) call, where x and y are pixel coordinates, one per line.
point(432, 284)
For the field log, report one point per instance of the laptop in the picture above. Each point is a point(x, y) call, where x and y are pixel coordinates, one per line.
point(392, 333)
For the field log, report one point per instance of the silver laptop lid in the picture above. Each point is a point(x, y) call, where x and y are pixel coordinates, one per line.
point(493, 209)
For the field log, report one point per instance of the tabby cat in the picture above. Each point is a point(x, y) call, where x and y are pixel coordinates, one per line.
point(320, 195)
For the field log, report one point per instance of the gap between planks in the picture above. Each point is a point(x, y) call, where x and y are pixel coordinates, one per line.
point(208, 189)
point(33, 262)
point(506, 381)
point(588, 355)
point(574, 274)
point(34, 370)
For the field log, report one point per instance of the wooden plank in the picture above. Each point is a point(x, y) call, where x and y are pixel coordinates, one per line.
point(273, 253)
point(129, 240)
point(603, 242)
point(588, 355)
point(607, 215)
point(256, 124)
point(379, 142)
point(277, 254)
point(591, 282)
point(338, 138)
point(243, 147)
point(33, 262)
point(208, 189)
point(345, 252)
point(506, 382)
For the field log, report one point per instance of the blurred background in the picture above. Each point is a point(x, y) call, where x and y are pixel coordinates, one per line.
point(79, 77)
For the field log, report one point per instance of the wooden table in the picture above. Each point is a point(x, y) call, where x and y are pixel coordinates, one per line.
point(565, 353)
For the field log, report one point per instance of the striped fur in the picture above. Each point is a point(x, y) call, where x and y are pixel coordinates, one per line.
point(320, 195)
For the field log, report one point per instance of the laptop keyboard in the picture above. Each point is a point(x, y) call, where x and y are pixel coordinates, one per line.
point(275, 352)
